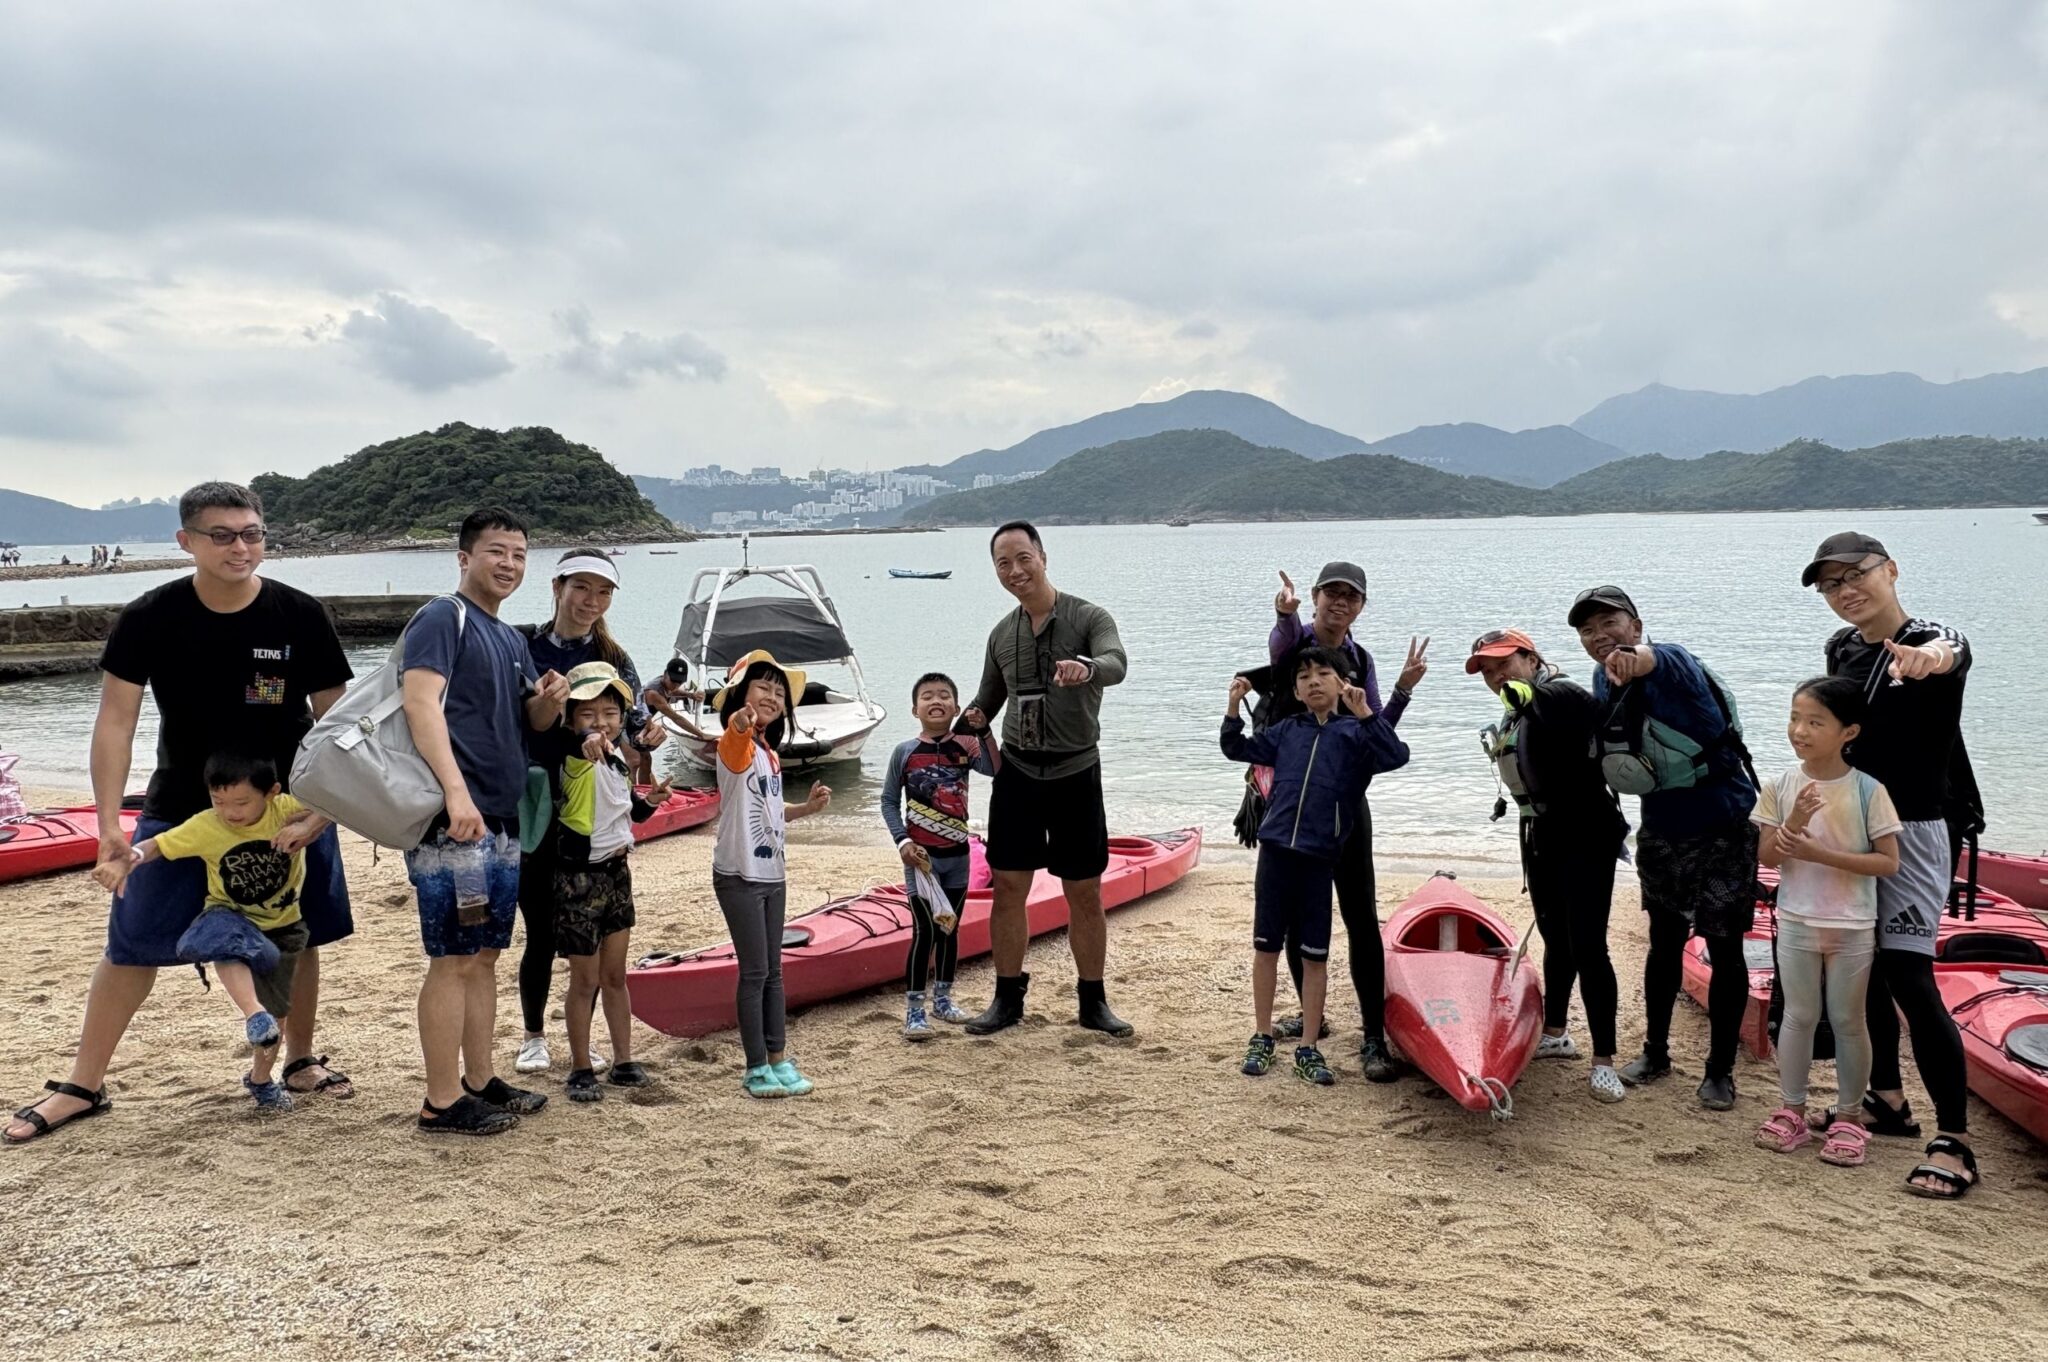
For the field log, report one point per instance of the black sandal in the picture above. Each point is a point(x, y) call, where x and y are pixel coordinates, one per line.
point(44, 1126)
point(583, 1087)
point(1886, 1119)
point(465, 1116)
point(631, 1074)
point(1956, 1183)
point(335, 1077)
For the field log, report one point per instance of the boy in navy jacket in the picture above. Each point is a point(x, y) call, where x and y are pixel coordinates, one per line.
point(1321, 762)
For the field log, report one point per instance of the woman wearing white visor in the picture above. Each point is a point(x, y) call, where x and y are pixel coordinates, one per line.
point(584, 581)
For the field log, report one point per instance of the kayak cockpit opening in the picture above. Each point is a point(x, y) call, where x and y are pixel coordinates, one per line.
point(1989, 948)
point(1451, 929)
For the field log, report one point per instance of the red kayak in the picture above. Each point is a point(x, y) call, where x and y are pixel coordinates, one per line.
point(1463, 1005)
point(55, 839)
point(2002, 1011)
point(860, 942)
point(2023, 879)
point(683, 809)
point(1975, 931)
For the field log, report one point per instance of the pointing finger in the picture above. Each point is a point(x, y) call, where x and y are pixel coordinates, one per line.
point(1287, 581)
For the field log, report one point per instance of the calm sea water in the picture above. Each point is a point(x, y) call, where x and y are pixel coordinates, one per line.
point(1195, 603)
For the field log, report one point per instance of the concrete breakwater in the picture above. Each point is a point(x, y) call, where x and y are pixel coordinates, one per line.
point(52, 640)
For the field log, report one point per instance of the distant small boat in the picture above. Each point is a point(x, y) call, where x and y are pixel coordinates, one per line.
point(615, 553)
point(2041, 517)
point(921, 576)
point(663, 553)
point(1179, 522)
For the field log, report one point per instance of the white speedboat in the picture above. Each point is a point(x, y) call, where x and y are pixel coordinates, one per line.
point(794, 620)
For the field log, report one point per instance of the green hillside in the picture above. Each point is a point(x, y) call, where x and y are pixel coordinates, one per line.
point(1209, 475)
point(423, 485)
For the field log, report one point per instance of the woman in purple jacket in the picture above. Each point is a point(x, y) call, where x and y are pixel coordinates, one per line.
point(1339, 598)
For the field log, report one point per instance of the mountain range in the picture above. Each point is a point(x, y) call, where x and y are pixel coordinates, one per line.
point(26, 519)
point(1213, 475)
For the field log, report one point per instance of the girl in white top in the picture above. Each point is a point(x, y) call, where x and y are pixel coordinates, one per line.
point(1832, 832)
point(747, 863)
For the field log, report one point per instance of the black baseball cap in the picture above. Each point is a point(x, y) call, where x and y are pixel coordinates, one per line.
point(1595, 599)
point(1340, 573)
point(677, 670)
point(1847, 547)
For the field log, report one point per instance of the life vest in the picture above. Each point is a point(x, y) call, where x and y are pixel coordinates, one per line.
point(1506, 746)
point(1640, 754)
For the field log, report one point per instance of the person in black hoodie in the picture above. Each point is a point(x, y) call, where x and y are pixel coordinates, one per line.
point(1571, 832)
point(1321, 761)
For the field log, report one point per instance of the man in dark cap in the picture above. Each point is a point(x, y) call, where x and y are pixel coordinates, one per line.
point(1696, 848)
point(1339, 598)
point(1912, 672)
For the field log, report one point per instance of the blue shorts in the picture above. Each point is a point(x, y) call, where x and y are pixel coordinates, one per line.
point(441, 929)
point(1290, 892)
point(166, 897)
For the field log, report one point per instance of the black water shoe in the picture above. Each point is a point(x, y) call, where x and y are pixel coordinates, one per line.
point(1007, 1009)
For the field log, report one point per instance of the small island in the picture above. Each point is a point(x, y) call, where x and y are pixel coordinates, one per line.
point(414, 492)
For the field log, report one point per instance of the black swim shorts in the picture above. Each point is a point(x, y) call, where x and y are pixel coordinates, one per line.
point(1057, 825)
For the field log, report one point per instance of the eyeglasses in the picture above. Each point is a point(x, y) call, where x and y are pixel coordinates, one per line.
point(1849, 578)
point(1341, 594)
point(222, 538)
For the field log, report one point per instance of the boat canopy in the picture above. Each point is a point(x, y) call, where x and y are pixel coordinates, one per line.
point(789, 627)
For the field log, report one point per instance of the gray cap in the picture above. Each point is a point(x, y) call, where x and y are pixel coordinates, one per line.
point(1340, 573)
point(1595, 599)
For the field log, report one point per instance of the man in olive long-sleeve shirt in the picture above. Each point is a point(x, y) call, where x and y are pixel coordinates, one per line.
point(1048, 661)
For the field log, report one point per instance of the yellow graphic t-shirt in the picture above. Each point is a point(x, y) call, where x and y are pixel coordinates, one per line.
point(243, 871)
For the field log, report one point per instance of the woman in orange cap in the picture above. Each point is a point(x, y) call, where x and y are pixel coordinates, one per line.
point(1571, 832)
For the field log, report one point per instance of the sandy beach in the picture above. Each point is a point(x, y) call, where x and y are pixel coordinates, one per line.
point(1049, 1194)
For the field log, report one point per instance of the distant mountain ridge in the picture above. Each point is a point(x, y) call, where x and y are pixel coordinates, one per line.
point(28, 519)
point(1853, 411)
point(1532, 458)
point(1211, 475)
point(1252, 419)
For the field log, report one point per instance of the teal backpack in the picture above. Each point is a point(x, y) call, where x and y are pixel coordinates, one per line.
point(1639, 754)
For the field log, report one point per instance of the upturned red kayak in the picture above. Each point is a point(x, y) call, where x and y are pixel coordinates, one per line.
point(1463, 1005)
point(2002, 1011)
point(682, 810)
point(52, 840)
point(860, 942)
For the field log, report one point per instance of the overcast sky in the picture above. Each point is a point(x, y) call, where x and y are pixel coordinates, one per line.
point(868, 235)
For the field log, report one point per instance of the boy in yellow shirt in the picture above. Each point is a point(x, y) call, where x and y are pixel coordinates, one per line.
point(253, 842)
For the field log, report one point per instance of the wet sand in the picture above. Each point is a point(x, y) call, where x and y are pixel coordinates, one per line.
point(1048, 1194)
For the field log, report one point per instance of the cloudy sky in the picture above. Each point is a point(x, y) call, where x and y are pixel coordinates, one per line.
point(874, 234)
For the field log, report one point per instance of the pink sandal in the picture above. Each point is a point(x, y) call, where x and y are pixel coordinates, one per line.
point(1784, 1132)
point(1846, 1145)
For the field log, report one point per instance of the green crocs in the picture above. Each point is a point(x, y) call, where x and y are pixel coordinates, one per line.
point(762, 1082)
point(793, 1083)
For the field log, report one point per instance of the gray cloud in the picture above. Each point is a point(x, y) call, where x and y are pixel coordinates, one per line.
point(622, 362)
point(54, 386)
point(421, 347)
point(913, 237)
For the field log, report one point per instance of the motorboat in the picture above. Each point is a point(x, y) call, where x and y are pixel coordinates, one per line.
point(914, 575)
point(2041, 517)
point(726, 618)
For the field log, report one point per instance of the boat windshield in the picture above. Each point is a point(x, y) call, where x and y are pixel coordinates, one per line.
point(788, 627)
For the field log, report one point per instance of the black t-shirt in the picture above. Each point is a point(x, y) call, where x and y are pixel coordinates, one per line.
point(238, 680)
point(1911, 740)
point(1562, 720)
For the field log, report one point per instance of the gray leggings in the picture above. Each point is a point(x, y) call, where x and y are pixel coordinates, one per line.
point(753, 914)
point(1846, 955)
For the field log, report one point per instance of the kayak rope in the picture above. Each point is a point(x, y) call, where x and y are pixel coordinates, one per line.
point(1500, 1104)
point(24, 819)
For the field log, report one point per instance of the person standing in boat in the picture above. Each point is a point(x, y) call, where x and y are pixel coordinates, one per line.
point(1571, 833)
point(584, 582)
point(1912, 672)
point(1048, 661)
point(1670, 733)
point(1339, 596)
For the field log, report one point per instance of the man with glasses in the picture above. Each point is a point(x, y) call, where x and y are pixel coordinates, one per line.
point(1912, 672)
point(1696, 848)
point(1339, 598)
point(232, 658)
point(1049, 661)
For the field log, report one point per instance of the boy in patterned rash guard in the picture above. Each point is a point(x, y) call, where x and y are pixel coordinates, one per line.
point(924, 805)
